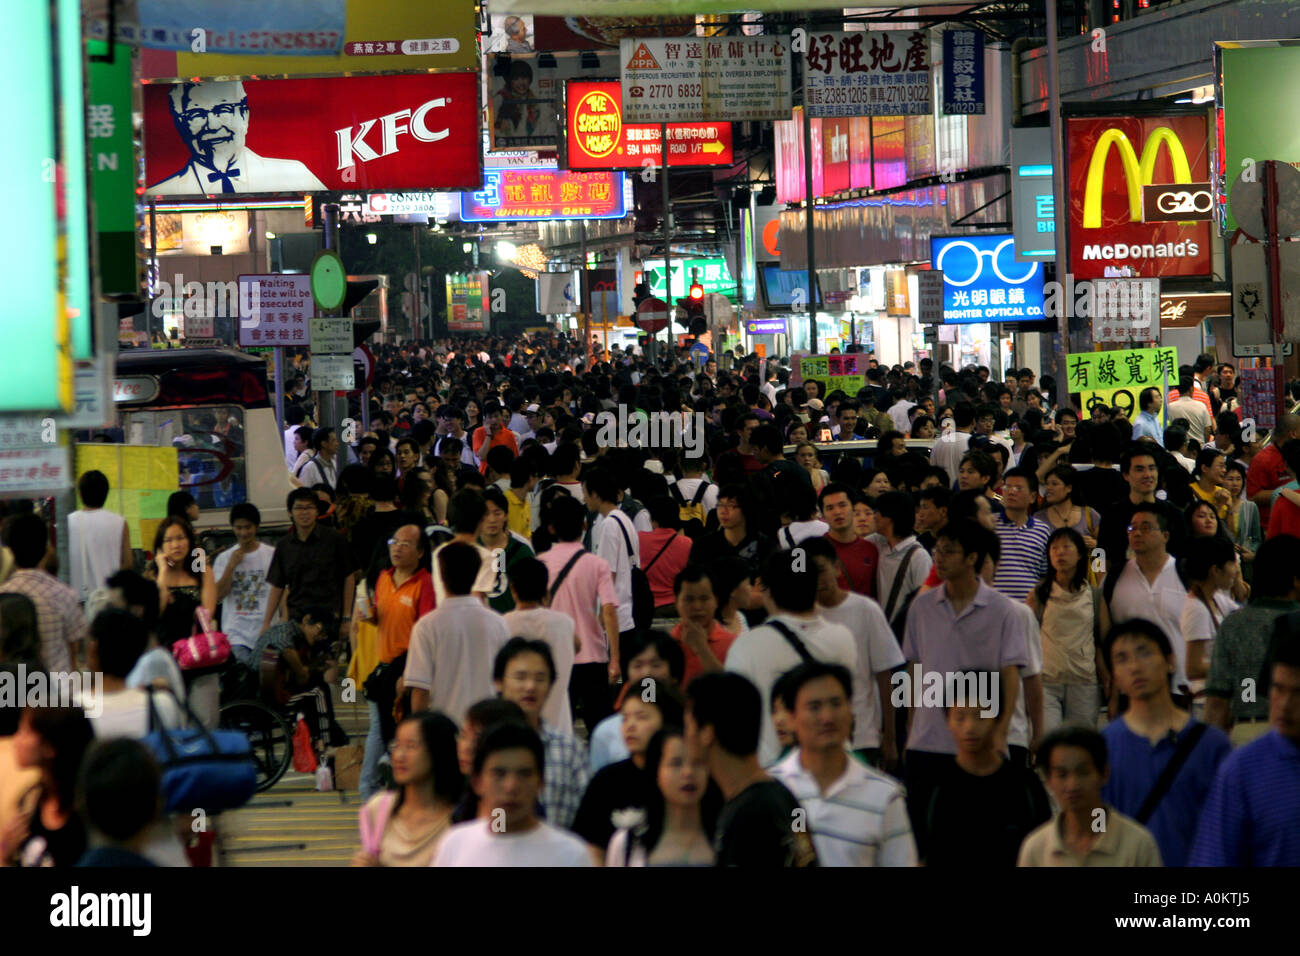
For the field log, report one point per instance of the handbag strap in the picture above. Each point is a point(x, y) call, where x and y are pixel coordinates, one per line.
point(794, 641)
point(155, 722)
point(626, 540)
point(564, 573)
point(898, 581)
point(1166, 780)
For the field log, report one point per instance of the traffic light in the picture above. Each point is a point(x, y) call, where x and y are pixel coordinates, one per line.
point(693, 306)
point(697, 292)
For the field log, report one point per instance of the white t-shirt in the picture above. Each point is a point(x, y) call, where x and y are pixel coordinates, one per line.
point(689, 486)
point(126, 714)
point(1162, 605)
point(1018, 733)
point(244, 607)
point(797, 531)
point(557, 630)
point(878, 651)
point(763, 655)
point(1197, 625)
point(451, 654)
point(609, 543)
point(95, 549)
point(474, 844)
point(487, 575)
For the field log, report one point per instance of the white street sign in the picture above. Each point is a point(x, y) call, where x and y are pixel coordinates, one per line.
point(330, 336)
point(692, 79)
point(333, 373)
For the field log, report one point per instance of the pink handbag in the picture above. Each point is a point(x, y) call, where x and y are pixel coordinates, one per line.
point(204, 648)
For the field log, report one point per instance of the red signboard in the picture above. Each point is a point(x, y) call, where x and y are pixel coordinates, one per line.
point(597, 137)
point(1110, 160)
point(340, 133)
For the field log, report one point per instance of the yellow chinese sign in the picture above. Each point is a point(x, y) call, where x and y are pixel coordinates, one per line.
point(836, 371)
point(1117, 377)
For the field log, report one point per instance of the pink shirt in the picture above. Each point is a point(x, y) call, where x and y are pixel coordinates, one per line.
point(588, 584)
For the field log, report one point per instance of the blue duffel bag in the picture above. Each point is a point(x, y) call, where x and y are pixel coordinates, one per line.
point(212, 770)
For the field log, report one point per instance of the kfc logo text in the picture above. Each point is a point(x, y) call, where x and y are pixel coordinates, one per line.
point(391, 125)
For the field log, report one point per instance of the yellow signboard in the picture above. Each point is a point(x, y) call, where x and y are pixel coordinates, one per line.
point(382, 36)
point(1121, 368)
point(141, 479)
point(835, 371)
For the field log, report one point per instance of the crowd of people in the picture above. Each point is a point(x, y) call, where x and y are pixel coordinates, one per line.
point(993, 629)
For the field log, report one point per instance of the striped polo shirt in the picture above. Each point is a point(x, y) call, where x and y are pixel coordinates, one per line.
point(1252, 814)
point(861, 819)
point(1024, 555)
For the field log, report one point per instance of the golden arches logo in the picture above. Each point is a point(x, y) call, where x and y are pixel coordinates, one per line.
point(1137, 173)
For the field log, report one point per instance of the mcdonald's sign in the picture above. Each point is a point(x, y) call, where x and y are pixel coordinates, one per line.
point(1110, 161)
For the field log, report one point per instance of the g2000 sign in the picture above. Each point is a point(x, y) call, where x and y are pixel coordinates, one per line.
point(1177, 202)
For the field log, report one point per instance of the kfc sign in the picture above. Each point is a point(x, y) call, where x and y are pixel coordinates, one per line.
point(1112, 163)
point(339, 133)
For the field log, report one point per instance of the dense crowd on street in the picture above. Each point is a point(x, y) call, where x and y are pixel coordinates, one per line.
point(942, 621)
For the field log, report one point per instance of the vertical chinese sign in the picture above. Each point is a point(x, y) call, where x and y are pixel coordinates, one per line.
point(112, 166)
point(963, 72)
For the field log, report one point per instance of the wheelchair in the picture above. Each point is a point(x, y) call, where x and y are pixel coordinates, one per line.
point(245, 708)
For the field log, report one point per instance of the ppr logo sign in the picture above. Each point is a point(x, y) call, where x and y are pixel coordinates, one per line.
point(1138, 195)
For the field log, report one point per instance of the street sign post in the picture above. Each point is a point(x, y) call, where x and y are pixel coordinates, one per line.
point(652, 315)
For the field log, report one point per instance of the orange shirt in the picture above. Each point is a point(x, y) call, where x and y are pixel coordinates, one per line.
point(398, 610)
point(504, 436)
point(720, 641)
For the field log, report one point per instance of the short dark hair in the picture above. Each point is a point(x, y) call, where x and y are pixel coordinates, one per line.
point(522, 645)
point(1135, 627)
point(465, 510)
point(1277, 565)
point(1150, 508)
point(1146, 398)
point(529, 578)
point(602, 483)
point(1201, 554)
point(732, 706)
point(460, 564)
point(93, 488)
point(982, 462)
point(120, 639)
point(118, 788)
point(691, 574)
point(1074, 735)
point(973, 539)
point(245, 511)
point(178, 503)
point(665, 646)
point(300, 494)
point(664, 512)
point(941, 496)
point(509, 735)
point(28, 538)
point(837, 488)
point(793, 681)
point(568, 517)
point(491, 711)
point(383, 488)
point(897, 506)
point(1025, 472)
point(1134, 450)
point(791, 590)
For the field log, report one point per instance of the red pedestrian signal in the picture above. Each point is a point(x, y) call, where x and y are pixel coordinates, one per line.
point(697, 291)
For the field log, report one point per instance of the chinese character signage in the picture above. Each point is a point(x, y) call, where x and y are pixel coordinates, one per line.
point(1032, 201)
point(270, 136)
point(1124, 310)
point(524, 194)
point(1259, 395)
point(963, 72)
point(274, 309)
point(983, 282)
point(112, 167)
point(717, 79)
point(1121, 368)
point(1110, 160)
point(836, 371)
point(597, 137)
point(380, 36)
point(871, 73)
point(712, 274)
point(301, 28)
point(466, 302)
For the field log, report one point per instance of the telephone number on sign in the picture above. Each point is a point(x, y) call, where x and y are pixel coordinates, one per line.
point(665, 90)
point(870, 95)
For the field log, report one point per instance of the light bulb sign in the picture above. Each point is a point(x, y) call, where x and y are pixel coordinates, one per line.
point(598, 138)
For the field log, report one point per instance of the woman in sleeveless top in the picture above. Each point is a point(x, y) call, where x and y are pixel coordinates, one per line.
point(677, 828)
point(1060, 509)
point(180, 569)
point(404, 827)
point(1070, 617)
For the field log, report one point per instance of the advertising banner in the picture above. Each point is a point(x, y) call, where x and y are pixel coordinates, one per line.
point(963, 72)
point(524, 97)
point(836, 371)
point(722, 79)
point(766, 326)
point(874, 73)
point(380, 36)
point(597, 138)
point(1110, 159)
point(525, 33)
point(112, 166)
point(712, 274)
point(467, 308)
point(1032, 200)
point(1125, 310)
point(983, 282)
point(1259, 395)
point(270, 136)
point(1121, 369)
point(557, 293)
point(531, 194)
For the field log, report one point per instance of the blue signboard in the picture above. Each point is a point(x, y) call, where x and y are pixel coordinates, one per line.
point(963, 72)
point(983, 281)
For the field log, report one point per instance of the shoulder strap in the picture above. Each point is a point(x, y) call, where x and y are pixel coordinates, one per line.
point(1166, 780)
point(677, 494)
point(661, 553)
point(298, 473)
point(789, 538)
point(626, 540)
point(699, 492)
point(898, 581)
point(564, 573)
point(793, 640)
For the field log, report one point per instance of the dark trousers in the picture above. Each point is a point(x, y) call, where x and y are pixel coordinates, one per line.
point(589, 693)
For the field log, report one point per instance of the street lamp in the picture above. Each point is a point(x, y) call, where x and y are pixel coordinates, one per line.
point(466, 246)
point(371, 238)
point(506, 251)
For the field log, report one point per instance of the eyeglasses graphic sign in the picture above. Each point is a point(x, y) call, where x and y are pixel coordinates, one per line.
point(983, 281)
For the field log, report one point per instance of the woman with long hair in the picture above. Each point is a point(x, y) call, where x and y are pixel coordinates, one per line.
point(185, 582)
point(1071, 618)
point(382, 462)
point(1243, 516)
point(1209, 569)
point(806, 456)
point(473, 415)
point(402, 827)
point(1207, 479)
point(47, 831)
point(677, 827)
point(1062, 511)
point(353, 502)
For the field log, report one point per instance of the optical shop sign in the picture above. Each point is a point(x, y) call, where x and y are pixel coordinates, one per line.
point(1117, 377)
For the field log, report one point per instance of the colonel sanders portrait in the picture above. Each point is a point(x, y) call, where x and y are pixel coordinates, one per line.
point(213, 120)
